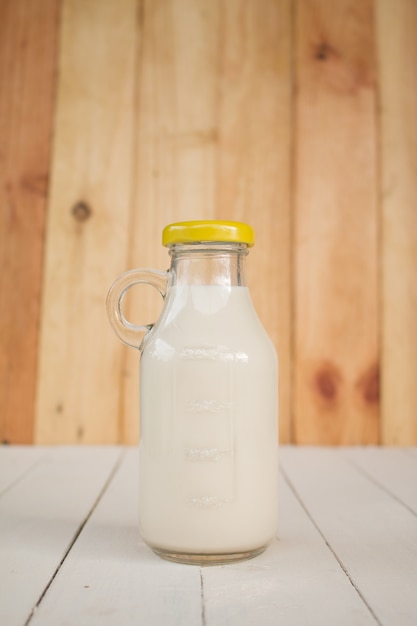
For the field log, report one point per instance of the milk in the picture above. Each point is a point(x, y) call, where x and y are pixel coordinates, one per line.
point(208, 451)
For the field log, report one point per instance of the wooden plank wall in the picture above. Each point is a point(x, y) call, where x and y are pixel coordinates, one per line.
point(88, 229)
point(298, 116)
point(336, 227)
point(28, 57)
point(397, 50)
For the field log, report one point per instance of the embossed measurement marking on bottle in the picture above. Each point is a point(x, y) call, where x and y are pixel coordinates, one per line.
point(207, 502)
point(205, 454)
point(205, 434)
point(207, 406)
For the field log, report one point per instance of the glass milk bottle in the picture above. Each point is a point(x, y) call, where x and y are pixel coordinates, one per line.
point(208, 400)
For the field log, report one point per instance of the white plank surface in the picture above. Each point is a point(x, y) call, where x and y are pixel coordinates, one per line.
point(40, 516)
point(111, 577)
point(70, 553)
point(297, 581)
point(393, 469)
point(373, 535)
point(15, 462)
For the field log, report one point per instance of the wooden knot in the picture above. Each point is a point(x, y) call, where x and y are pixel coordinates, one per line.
point(327, 381)
point(368, 385)
point(323, 51)
point(81, 211)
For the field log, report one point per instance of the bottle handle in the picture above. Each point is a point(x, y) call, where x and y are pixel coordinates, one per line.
point(131, 334)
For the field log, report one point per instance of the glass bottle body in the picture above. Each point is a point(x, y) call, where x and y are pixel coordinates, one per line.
point(208, 449)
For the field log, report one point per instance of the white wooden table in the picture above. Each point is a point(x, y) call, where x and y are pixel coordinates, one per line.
point(70, 555)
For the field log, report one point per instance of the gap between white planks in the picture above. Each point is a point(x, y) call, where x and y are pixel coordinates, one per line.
point(327, 567)
point(107, 577)
point(47, 494)
point(362, 501)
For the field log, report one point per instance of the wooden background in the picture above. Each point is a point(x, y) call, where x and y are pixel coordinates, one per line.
point(300, 117)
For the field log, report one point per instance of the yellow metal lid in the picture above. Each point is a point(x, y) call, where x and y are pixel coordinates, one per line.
point(208, 230)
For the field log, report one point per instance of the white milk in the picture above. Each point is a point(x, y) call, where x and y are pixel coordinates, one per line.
point(208, 452)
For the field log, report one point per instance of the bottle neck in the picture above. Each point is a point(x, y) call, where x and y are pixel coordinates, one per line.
point(217, 263)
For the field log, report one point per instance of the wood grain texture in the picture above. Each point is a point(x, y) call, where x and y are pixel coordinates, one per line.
point(88, 223)
point(336, 244)
point(397, 58)
point(212, 142)
point(176, 107)
point(28, 38)
point(257, 110)
point(254, 160)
